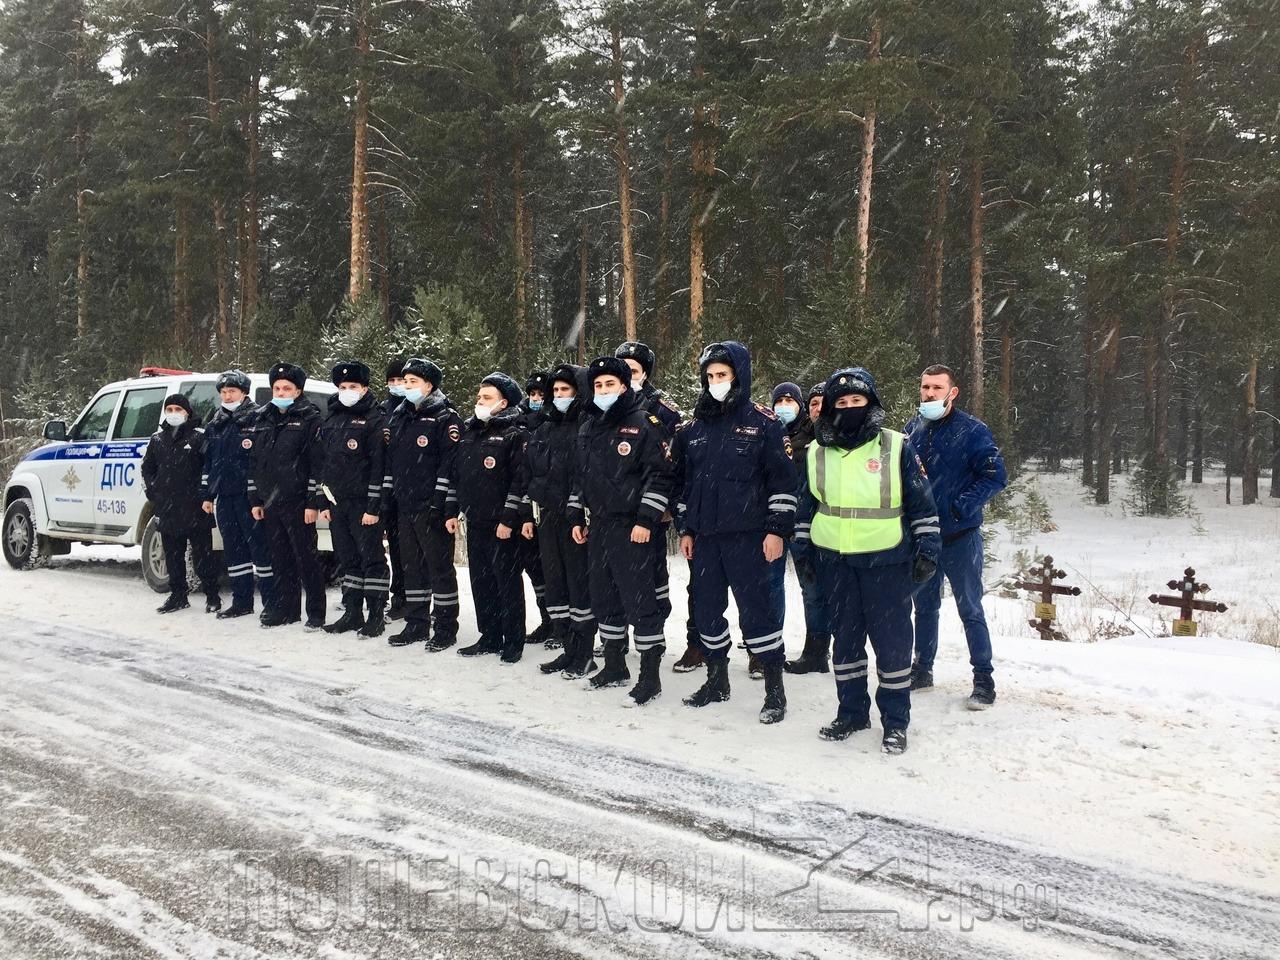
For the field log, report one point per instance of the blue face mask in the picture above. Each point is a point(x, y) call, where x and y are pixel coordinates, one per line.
point(563, 403)
point(282, 403)
point(785, 414)
point(396, 391)
point(606, 400)
point(933, 409)
point(535, 405)
point(412, 394)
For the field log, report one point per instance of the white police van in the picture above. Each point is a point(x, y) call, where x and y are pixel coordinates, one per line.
point(85, 485)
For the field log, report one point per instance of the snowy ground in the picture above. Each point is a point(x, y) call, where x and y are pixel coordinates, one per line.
point(179, 787)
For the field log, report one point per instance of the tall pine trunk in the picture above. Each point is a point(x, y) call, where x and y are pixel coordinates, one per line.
point(1275, 429)
point(865, 172)
point(521, 249)
point(584, 282)
point(934, 260)
point(977, 392)
point(1249, 437)
point(623, 155)
point(664, 251)
point(183, 333)
point(220, 267)
point(359, 168)
point(249, 256)
point(82, 204)
point(384, 261)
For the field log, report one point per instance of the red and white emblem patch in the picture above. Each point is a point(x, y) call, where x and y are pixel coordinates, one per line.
point(490, 463)
point(352, 444)
point(624, 448)
point(873, 465)
point(246, 443)
point(422, 441)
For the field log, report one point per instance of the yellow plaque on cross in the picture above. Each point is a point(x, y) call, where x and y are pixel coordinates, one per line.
point(1184, 628)
point(1046, 611)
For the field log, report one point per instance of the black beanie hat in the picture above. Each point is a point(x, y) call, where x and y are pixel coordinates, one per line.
point(395, 369)
point(288, 371)
point(642, 353)
point(610, 366)
point(788, 389)
point(816, 390)
point(423, 370)
point(506, 386)
point(350, 371)
point(538, 380)
point(178, 399)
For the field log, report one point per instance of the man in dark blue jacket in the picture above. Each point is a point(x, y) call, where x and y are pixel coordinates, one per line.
point(533, 412)
point(228, 462)
point(966, 470)
point(867, 511)
point(736, 509)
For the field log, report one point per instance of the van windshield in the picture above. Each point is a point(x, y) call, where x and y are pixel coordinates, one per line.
point(96, 420)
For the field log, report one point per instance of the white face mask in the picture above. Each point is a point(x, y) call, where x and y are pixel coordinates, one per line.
point(349, 398)
point(483, 413)
point(231, 406)
point(720, 390)
point(175, 419)
point(637, 385)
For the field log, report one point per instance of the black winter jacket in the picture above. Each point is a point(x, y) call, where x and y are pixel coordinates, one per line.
point(488, 470)
point(353, 447)
point(171, 475)
point(422, 443)
point(286, 456)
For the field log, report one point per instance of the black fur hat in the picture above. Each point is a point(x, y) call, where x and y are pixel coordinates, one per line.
point(506, 386)
point(610, 366)
point(395, 369)
point(423, 370)
point(234, 378)
point(642, 353)
point(350, 371)
point(538, 380)
point(288, 371)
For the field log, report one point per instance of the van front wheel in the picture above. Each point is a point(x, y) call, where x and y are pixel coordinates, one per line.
point(21, 544)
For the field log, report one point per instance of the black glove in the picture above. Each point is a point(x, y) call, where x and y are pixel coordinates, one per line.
point(923, 570)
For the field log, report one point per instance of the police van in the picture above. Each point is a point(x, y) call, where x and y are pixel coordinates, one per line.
point(85, 485)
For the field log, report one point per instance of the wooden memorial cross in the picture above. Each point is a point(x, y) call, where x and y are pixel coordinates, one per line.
point(1046, 611)
point(1187, 603)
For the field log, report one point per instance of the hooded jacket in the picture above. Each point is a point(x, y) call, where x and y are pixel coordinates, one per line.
point(421, 446)
point(733, 460)
point(353, 447)
point(622, 470)
point(286, 456)
point(919, 516)
point(229, 452)
point(488, 470)
point(965, 467)
point(172, 469)
point(549, 456)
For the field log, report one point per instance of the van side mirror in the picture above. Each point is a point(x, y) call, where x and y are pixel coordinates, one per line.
point(55, 430)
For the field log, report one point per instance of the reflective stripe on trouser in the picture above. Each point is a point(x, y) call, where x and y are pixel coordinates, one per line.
point(430, 578)
point(358, 549)
point(564, 567)
point(295, 561)
point(876, 602)
point(735, 561)
point(621, 585)
point(496, 589)
point(244, 548)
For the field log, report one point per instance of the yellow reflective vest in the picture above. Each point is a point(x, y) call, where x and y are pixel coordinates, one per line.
point(859, 494)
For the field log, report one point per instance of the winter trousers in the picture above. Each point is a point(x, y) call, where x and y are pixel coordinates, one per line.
point(531, 564)
point(358, 550)
point(622, 587)
point(296, 561)
point(175, 558)
point(430, 578)
point(961, 564)
point(815, 610)
point(870, 602)
point(244, 548)
point(564, 567)
point(391, 521)
point(496, 589)
point(735, 561)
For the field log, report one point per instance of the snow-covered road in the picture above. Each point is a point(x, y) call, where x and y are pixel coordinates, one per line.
point(160, 800)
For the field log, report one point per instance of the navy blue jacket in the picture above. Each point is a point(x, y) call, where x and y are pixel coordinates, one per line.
point(488, 475)
point(422, 442)
point(654, 401)
point(920, 536)
point(228, 461)
point(353, 445)
point(286, 456)
point(549, 457)
point(964, 466)
point(733, 463)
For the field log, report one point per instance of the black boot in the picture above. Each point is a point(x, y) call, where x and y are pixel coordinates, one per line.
point(278, 618)
point(921, 677)
point(376, 622)
point(479, 649)
point(439, 641)
point(815, 657)
point(396, 610)
point(415, 631)
point(775, 697)
point(615, 672)
point(235, 610)
point(895, 742)
point(176, 601)
point(212, 602)
point(841, 727)
point(541, 633)
point(755, 669)
point(581, 662)
point(352, 616)
point(649, 685)
point(563, 660)
point(984, 693)
point(512, 652)
point(716, 687)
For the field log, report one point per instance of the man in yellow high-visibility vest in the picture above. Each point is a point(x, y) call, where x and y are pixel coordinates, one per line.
point(867, 508)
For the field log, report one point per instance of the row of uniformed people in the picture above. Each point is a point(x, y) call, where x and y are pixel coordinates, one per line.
point(592, 484)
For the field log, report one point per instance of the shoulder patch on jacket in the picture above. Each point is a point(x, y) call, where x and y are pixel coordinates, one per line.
point(454, 432)
point(654, 420)
point(766, 411)
point(745, 431)
point(630, 431)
